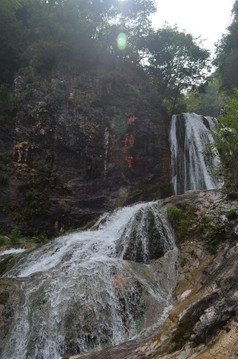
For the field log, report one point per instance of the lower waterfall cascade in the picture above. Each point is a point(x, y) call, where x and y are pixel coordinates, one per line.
point(191, 168)
point(92, 289)
point(89, 290)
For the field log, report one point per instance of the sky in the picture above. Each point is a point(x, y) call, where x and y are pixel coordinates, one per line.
point(205, 18)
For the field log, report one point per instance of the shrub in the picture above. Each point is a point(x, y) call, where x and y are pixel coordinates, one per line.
point(215, 235)
point(227, 145)
point(15, 236)
point(231, 214)
point(4, 297)
point(181, 218)
point(203, 225)
point(38, 239)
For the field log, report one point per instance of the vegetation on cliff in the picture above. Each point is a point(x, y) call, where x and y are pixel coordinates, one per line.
point(221, 83)
point(47, 34)
point(227, 55)
point(227, 145)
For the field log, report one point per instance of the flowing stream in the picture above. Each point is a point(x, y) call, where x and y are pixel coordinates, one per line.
point(191, 168)
point(92, 289)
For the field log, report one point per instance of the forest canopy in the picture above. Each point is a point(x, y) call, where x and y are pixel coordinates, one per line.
point(47, 33)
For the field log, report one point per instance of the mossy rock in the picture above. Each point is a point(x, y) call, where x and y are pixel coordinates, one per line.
point(148, 193)
point(166, 190)
point(182, 217)
point(231, 214)
point(4, 296)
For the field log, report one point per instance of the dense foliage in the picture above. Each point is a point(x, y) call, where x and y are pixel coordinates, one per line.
point(227, 55)
point(46, 34)
point(226, 77)
point(207, 100)
point(227, 144)
point(176, 63)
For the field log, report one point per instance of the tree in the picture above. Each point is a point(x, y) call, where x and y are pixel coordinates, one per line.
point(83, 30)
point(206, 100)
point(175, 62)
point(227, 144)
point(11, 39)
point(131, 17)
point(227, 55)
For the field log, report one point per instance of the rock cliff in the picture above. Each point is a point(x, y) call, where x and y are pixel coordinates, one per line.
point(81, 143)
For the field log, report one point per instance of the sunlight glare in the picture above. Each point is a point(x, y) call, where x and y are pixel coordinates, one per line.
point(121, 41)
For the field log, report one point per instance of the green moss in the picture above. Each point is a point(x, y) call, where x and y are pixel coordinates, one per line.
point(17, 216)
point(231, 194)
point(4, 296)
point(4, 240)
point(38, 239)
point(15, 236)
point(181, 217)
point(215, 235)
point(166, 190)
point(231, 214)
point(203, 225)
point(186, 225)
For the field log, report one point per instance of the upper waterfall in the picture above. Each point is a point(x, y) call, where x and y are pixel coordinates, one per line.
point(91, 289)
point(191, 168)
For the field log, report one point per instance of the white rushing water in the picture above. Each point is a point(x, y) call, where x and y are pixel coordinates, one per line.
point(88, 290)
point(191, 167)
point(10, 251)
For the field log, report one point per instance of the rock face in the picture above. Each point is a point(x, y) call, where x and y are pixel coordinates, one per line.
point(203, 323)
point(82, 143)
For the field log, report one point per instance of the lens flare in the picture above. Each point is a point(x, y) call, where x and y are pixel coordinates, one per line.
point(121, 41)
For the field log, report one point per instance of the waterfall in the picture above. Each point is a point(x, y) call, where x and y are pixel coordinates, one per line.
point(91, 289)
point(191, 168)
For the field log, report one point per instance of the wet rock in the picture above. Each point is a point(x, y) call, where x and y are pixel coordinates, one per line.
point(203, 322)
point(10, 299)
point(75, 154)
